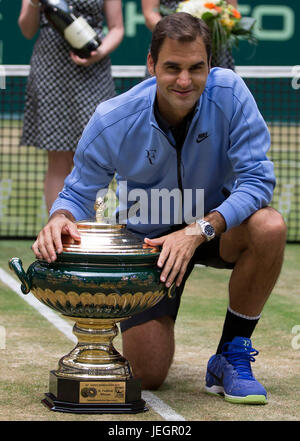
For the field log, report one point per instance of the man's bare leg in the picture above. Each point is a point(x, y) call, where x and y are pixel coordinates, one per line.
point(257, 247)
point(150, 349)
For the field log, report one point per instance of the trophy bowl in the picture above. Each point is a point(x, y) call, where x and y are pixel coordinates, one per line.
point(108, 276)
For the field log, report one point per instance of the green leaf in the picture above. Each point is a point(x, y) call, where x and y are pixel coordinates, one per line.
point(220, 38)
point(245, 24)
point(207, 16)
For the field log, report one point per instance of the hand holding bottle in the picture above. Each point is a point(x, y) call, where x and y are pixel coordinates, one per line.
point(94, 57)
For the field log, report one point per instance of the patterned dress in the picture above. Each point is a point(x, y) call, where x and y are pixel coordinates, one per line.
point(61, 96)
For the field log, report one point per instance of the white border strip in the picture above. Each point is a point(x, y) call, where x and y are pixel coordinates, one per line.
point(22, 70)
point(16, 70)
point(128, 71)
point(139, 71)
point(152, 400)
point(266, 71)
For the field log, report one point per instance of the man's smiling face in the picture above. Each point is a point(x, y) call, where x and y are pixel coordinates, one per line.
point(181, 73)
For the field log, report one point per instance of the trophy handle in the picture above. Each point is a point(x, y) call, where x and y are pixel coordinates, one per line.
point(172, 291)
point(15, 264)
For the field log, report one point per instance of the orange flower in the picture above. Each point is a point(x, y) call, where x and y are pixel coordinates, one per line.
point(209, 5)
point(236, 13)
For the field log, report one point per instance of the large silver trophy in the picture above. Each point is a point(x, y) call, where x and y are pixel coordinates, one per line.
point(107, 277)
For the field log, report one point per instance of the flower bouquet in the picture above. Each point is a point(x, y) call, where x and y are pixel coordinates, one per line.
point(225, 22)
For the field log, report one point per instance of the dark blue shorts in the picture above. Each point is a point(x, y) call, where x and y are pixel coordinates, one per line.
point(206, 254)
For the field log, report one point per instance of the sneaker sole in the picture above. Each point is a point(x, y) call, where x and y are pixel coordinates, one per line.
point(248, 399)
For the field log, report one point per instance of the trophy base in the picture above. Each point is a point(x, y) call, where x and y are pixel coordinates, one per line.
point(94, 396)
point(61, 406)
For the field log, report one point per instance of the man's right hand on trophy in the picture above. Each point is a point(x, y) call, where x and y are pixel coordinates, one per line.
point(49, 242)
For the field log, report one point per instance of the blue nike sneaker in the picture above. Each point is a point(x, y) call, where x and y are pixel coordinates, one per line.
point(229, 374)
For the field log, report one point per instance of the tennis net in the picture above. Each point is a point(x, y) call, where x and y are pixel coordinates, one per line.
point(22, 169)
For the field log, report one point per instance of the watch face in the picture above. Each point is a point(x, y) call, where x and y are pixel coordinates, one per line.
point(209, 230)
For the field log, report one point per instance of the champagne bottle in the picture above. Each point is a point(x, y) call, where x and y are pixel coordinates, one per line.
point(75, 30)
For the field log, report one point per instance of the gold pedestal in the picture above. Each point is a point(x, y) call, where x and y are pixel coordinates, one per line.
point(94, 377)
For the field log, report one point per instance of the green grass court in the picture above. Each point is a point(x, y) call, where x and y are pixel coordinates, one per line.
point(33, 347)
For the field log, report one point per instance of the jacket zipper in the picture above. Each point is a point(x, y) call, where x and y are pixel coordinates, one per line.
point(178, 157)
point(179, 180)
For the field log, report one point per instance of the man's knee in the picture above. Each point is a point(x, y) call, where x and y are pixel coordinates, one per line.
point(151, 379)
point(267, 229)
point(149, 348)
point(263, 233)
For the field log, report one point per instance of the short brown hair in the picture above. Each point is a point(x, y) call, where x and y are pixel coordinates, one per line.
point(179, 26)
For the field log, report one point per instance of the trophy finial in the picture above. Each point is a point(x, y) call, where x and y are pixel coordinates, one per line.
point(99, 207)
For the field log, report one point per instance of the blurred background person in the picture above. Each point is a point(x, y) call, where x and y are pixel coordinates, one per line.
point(63, 90)
point(153, 13)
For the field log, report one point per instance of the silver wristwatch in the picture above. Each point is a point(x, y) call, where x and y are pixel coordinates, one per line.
point(207, 229)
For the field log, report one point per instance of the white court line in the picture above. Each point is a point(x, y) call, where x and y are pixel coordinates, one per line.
point(152, 400)
point(160, 407)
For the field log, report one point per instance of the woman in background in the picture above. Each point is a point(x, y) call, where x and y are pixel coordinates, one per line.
point(64, 90)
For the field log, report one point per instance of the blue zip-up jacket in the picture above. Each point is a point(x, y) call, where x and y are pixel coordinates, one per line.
point(224, 152)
